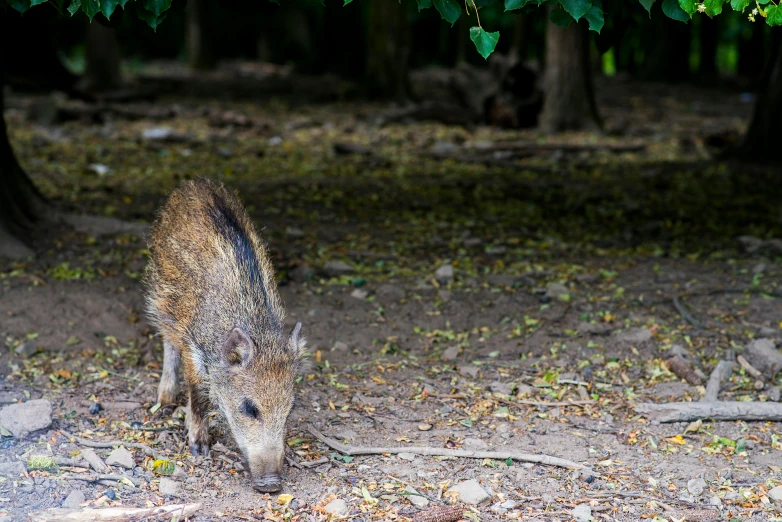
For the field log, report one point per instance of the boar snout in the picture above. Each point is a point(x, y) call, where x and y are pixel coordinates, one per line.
point(268, 483)
point(265, 469)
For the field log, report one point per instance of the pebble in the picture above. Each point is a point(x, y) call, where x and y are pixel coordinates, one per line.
point(74, 500)
point(110, 494)
point(450, 353)
point(444, 274)
point(407, 456)
point(337, 268)
point(470, 492)
point(582, 513)
point(557, 291)
point(339, 346)
point(294, 232)
point(389, 292)
point(416, 500)
point(501, 387)
point(121, 457)
point(169, 487)
point(635, 335)
point(696, 486)
point(469, 369)
point(95, 408)
point(26, 349)
point(359, 293)
point(775, 493)
point(424, 426)
point(12, 470)
point(337, 507)
point(27, 417)
point(473, 444)
point(588, 278)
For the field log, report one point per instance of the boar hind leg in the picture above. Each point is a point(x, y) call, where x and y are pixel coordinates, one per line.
point(197, 423)
point(169, 380)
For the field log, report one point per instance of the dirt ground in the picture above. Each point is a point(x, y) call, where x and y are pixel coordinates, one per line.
point(565, 270)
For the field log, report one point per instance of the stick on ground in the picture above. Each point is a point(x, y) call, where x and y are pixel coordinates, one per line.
point(718, 411)
point(720, 374)
point(442, 452)
point(687, 316)
point(113, 444)
point(117, 513)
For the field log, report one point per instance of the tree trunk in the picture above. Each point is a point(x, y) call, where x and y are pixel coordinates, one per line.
point(668, 58)
point(103, 57)
point(200, 54)
point(760, 141)
point(21, 205)
point(751, 53)
point(707, 69)
point(569, 97)
point(388, 50)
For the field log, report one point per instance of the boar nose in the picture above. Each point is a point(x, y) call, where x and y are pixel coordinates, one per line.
point(268, 483)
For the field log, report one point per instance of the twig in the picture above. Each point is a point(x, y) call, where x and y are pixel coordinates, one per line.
point(313, 463)
point(74, 463)
point(93, 477)
point(720, 374)
point(718, 411)
point(113, 444)
point(748, 367)
point(115, 513)
point(687, 316)
point(442, 452)
point(680, 367)
point(520, 402)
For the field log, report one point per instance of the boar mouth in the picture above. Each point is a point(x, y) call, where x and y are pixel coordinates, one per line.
point(268, 484)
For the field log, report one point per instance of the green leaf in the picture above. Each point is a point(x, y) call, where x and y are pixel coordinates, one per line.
point(739, 5)
point(424, 4)
point(90, 8)
point(688, 6)
point(448, 9)
point(576, 8)
point(33, 3)
point(509, 462)
point(560, 17)
point(672, 10)
point(157, 7)
point(163, 467)
point(773, 15)
point(107, 7)
point(647, 5)
point(346, 2)
point(510, 5)
point(595, 18)
point(20, 5)
point(484, 42)
point(74, 7)
point(151, 19)
point(713, 7)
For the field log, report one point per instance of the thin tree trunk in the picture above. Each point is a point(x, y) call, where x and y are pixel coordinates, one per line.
point(199, 52)
point(569, 100)
point(388, 51)
point(103, 59)
point(760, 141)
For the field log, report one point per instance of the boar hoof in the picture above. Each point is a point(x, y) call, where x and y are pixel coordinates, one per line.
point(199, 448)
point(268, 484)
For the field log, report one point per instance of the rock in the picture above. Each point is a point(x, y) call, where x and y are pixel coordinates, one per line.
point(473, 444)
point(74, 500)
point(337, 268)
point(557, 291)
point(501, 387)
point(294, 232)
point(95, 408)
point(774, 394)
point(525, 391)
point(754, 245)
point(450, 353)
point(27, 417)
point(416, 499)
point(775, 493)
point(94, 461)
point(444, 274)
point(359, 293)
point(169, 487)
point(337, 507)
point(12, 470)
point(582, 513)
point(157, 133)
point(110, 494)
point(26, 349)
point(470, 492)
point(121, 457)
point(696, 486)
point(469, 369)
point(407, 456)
point(635, 336)
point(301, 274)
point(715, 501)
point(339, 346)
point(763, 355)
point(588, 278)
point(388, 292)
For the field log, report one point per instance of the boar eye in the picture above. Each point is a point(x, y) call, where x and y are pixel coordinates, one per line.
point(249, 409)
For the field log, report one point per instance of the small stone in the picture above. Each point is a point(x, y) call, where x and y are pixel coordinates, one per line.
point(359, 293)
point(337, 268)
point(121, 457)
point(582, 513)
point(444, 148)
point(12, 470)
point(469, 369)
point(470, 492)
point(110, 494)
point(774, 394)
point(157, 133)
point(510, 504)
point(473, 444)
point(588, 278)
point(339, 346)
point(501, 387)
point(775, 493)
point(294, 232)
point(444, 274)
point(74, 500)
point(94, 461)
point(95, 408)
point(416, 498)
point(27, 417)
point(450, 353)
point(763, 355)
point(635, 336)
point(424, 426)
point(274, 141)
point(337, 507)
point(407, 456)
point(557, 291)
point(696, 486)
point(26, 349)
point(169, 487)
point(525, 391)
point(389, 293)
point(715, 501)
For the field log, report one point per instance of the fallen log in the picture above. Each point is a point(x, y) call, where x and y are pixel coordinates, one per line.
point(174, 511)
point(718, 411)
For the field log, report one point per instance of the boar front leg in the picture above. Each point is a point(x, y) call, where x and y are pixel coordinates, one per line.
point(168, 388)
point(197, 422)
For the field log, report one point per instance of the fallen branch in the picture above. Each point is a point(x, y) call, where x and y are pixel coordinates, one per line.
point(533, 147)
point(520, 402)
point(94, 477)
point(718, 411)
point(74, 463)
point(687, 316)
point(116, 513)
point(113, 444)
point(442, 452)
point(681, 368)
point(720, 374)
point(440, 514)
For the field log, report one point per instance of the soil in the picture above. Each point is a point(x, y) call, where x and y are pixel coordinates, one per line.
point(399, 358)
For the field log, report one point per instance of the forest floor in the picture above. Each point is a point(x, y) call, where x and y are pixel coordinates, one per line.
point(569, 265)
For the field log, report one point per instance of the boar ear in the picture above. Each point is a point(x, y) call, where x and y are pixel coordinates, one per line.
point(296, 342)
point(237, 348)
